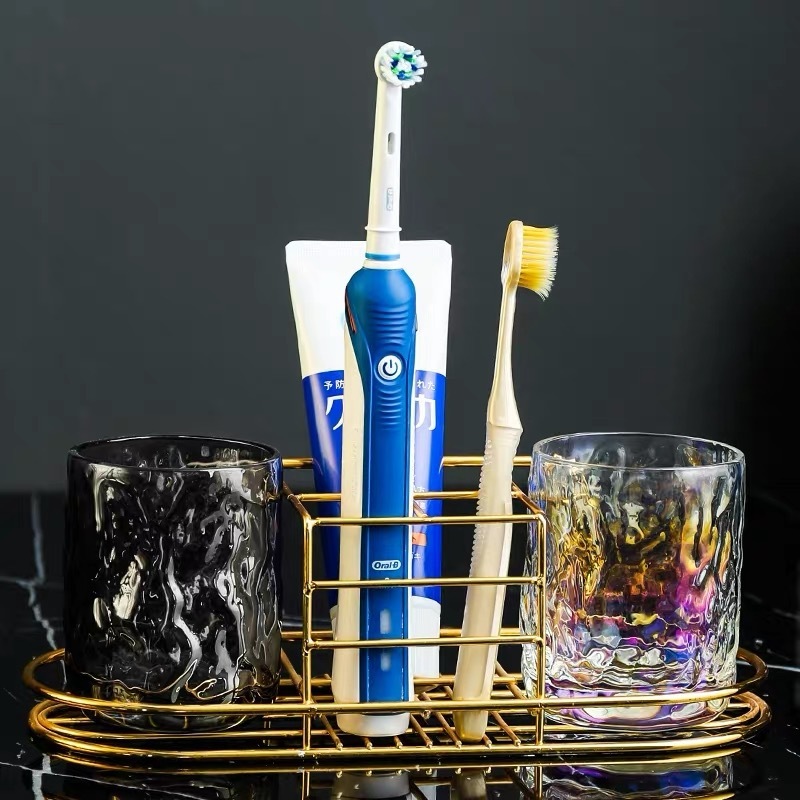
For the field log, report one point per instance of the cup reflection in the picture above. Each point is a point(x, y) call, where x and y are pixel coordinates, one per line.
point(689, 779)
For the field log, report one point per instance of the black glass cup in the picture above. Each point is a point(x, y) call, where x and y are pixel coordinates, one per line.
point(170, 575)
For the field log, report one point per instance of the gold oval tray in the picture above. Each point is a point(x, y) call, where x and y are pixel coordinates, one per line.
point(276, 731)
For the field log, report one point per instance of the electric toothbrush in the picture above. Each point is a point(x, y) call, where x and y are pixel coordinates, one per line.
point(377, 434)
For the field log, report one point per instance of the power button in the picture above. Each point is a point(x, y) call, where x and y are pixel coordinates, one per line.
point(390, 368)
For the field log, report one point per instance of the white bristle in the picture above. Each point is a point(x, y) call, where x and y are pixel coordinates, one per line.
point(399, 64)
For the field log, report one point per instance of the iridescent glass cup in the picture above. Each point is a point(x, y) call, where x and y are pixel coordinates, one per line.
point(644, 556)
point(170, 575)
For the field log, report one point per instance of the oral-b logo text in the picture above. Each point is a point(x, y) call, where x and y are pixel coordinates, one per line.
point(386, 566)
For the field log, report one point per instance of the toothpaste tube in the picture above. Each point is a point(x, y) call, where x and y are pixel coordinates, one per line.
point(318, 275)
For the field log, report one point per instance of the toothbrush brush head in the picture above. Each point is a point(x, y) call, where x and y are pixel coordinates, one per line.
point(529, 258)
point(399, 64)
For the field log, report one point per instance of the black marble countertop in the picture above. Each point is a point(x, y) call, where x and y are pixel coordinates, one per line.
point(769, 767)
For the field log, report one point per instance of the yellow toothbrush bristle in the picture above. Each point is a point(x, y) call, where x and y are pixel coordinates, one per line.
point(539, 256)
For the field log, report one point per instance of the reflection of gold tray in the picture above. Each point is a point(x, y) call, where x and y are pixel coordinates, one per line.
point(529, 776)
point(300, 724)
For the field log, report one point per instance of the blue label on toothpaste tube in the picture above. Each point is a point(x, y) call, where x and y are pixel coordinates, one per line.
point(426, 542)
point(324, 395)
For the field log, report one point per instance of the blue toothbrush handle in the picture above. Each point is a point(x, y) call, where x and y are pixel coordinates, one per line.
point(381, 319)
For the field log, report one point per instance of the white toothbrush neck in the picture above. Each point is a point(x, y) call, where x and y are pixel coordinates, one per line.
point(383, 225)
point(502, 410)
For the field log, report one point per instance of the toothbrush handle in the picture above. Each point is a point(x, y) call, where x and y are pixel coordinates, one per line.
point(484, 607)
point(381, 318)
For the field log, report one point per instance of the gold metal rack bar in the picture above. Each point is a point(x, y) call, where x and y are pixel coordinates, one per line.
point(293, 707)
point(441, 641)
point(448, 461)
point(447, 633)
point(512, 581)
point(335, 497)
point(462, 519)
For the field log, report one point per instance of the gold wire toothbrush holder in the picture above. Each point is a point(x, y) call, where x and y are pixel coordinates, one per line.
point(300, 724)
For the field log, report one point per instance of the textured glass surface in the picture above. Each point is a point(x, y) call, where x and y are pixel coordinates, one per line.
point(703, 777)
point(170, 581)
point(644, 561)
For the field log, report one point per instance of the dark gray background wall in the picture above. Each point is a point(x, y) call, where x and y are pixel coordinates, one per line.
point(156, 157)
